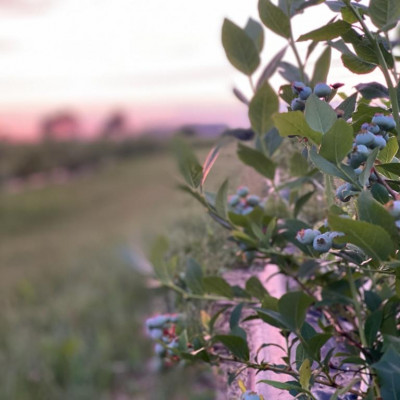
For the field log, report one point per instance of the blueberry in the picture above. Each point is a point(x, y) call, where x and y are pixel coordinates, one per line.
point(234, 200)
point(307, 236)
point(157, 322)
point(397, 224)
point(395, 209)
point(374, 128)
point(156, 334)
point(365, 138)
point(247, 210)
point(297, 104)
point(250, 395)
point(343, 192)
point(253, 200)
point(322, 243)
point(358, 171)
point(159, 350)
point(362, 149)
point(333, 235)
point(322, 90)
point(297, 87)
point(379, 141)
point(305, 93)
point(384, 122)
point(242, 191)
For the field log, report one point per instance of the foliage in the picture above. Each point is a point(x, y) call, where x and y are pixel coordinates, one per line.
point(346, 264)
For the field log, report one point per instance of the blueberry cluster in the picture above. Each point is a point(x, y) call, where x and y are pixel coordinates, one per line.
point(162, 328)
point(321, 242)
point(250, 395)
point(372, 135)
point(242, 202)
point(394, 209)
point(303, 92)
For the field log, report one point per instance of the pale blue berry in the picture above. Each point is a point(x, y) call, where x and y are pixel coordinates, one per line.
point(249, 395)
point(364, 138)
point(343, 192)
point(297, 87)
point(253, 200)
point(322, 90)
point(305, 93)
point(297, 104)
point(384, 122)
point(395, 209)
point(157, 322)
point(322, 243)
point(307, 236)
point(234, 200)
point(242, 191)
point(379, 141)
point(156, 334)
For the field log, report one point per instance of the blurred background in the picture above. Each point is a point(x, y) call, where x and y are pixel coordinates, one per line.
point(91, 91)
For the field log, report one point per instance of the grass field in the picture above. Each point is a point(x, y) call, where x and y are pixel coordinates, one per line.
point(72, 306)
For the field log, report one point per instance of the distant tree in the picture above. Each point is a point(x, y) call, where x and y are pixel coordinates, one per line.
point(60, 126)
point(115, 126)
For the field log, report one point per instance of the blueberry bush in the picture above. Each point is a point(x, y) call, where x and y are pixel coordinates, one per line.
point(343, 151)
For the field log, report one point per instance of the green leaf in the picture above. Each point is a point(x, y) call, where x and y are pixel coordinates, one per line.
point(293, 307)
point(322, 66)
point(393, 168)
point(315, 344)
point(345, 389)
point(301, 202)
point(157, 254)
point(282, 385)
point(305, 374)
point(373, 239)
point(255, 159)
point(239, 48)
point(256, 32)
point(234, 319)
point(369, 163)
point(274, 18)
point(193, 193)
point(363, 114)
point(380, 193)
point(327, 32)
point(388, 371)
point(256, 288)
point(372, 325)
point(372, 90)
point(235, 344)
point(337, 143)
point(294, 123)
point(194, 277)
point(319, 115)
point(384, 13)
point(263, 105)
point(271, 68)
point(348, 106)
point(341, 171)
point(272, 141)
point(371, 211)
point(217, 285)
point(356, 64)
point(389, 151)
point(292, 73)
point(188, 163)
point(298, 165)
point(221, 199)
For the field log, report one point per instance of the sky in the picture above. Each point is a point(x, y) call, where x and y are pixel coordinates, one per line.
point(160, 61)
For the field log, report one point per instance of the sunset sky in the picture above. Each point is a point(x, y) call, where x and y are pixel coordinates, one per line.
point(160, 61)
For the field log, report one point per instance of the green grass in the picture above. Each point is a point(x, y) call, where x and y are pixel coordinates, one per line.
point(72, 306)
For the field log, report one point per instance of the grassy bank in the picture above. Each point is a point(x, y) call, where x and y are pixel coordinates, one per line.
point(72, 306)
